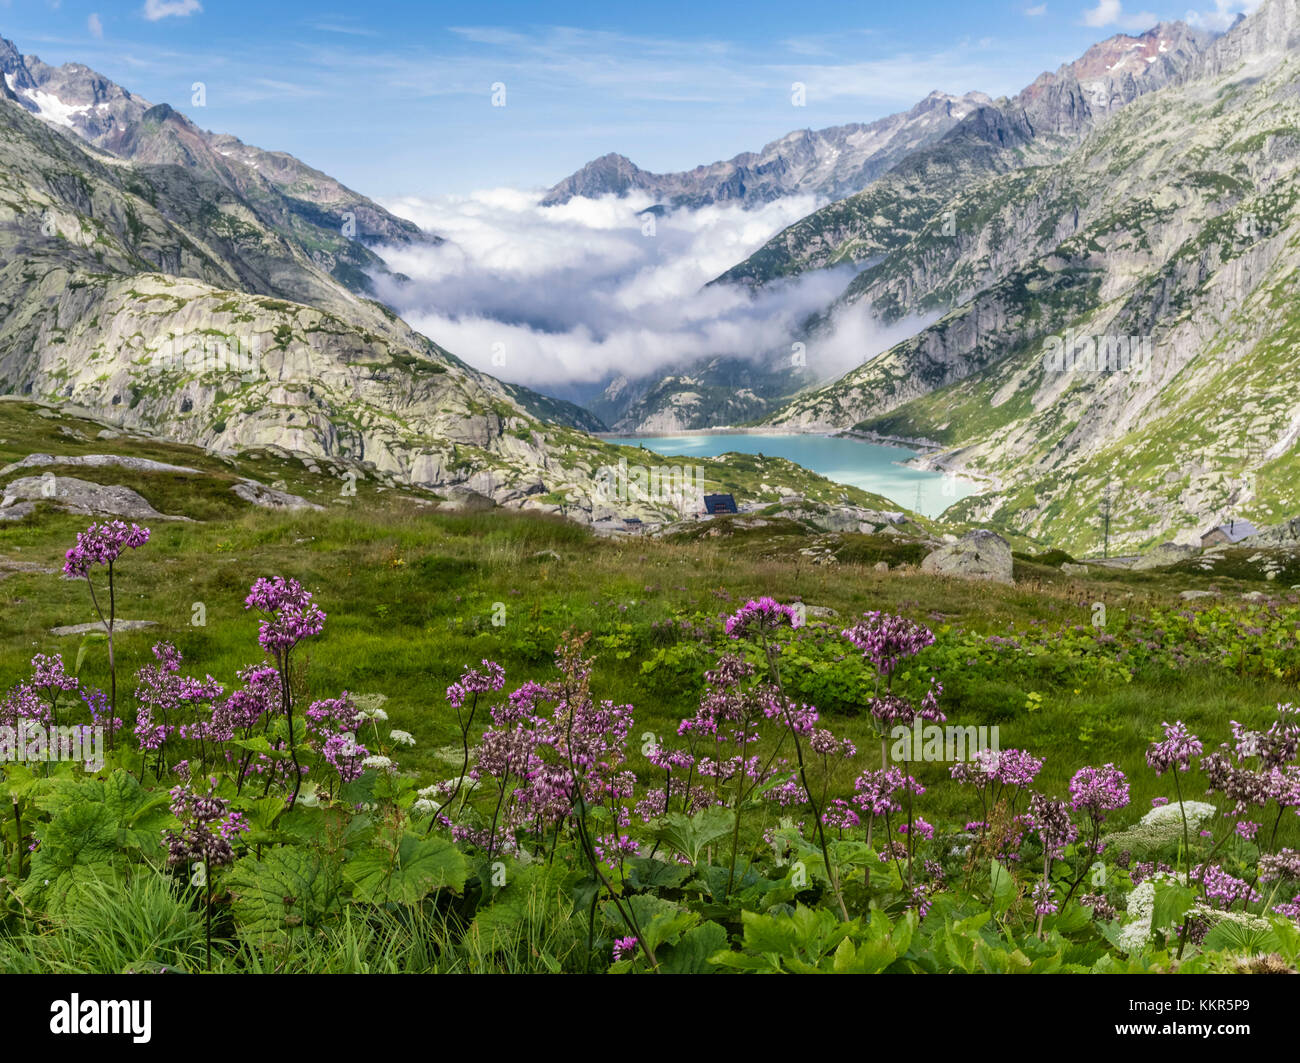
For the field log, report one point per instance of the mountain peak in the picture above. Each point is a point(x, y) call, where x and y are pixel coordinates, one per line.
point(611, 172)
point(832, 162)
point(159, 113)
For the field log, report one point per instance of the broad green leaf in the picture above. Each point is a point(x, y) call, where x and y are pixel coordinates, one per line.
point(140, 813)
point(691, 835)
point(868, 957)
point(800, 939)
point(742, 961)
point(660, 921)
point(1046, 964)
point(1071, 921)
point(288, 889)
point(769, 934)
point(1003, 887)
point(691, 954)
point(1171, 903)
point(1288, 939)
point(262, 745)
point(80, 844)
point(644, 873)
point(531, 895)
point(408, 873)
point(87, 640)
point(960, 949)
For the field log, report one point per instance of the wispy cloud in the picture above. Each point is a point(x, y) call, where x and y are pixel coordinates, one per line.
point(1224, 14)
point(95, 27)
point(256, 90)
point(160, 9)
point(825, 44)
point(904, 78)
point(337, 26)
point(1036, 10)
point(1111, 13)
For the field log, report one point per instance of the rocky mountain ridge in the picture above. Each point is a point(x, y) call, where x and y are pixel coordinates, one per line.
point(1166, 239)
point(829, 163)
point(159, 297)
point(906, 193)
point(1038, 126)
point(327, 220)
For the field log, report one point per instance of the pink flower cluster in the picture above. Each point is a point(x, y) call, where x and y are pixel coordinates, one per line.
point(102, 544)
point(893, 710)
point(1222, 888)
point(761, 615)
point(1098, 791)
point(334, 721)
point(291, 615)
point(876, 792)
point(207, 829)
point(1050, 820)
point(1006, 767)
point(492, 678)
point(885, 640)
point(1283, 864)
point(1175, 751)
point(1254, 769)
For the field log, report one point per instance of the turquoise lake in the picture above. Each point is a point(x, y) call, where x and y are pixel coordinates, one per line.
point(848, 461)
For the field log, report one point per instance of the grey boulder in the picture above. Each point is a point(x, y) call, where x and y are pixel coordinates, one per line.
point(981, 554)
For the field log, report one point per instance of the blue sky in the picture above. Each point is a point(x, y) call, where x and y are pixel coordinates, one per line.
point(395, 99)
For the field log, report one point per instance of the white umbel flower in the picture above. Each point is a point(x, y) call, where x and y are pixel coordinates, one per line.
point(1161, 826)
point(1137, 929)
point(1168, 815)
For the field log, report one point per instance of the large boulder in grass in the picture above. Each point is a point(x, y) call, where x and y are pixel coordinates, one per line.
point(98, 461)
point(981, 554)
point(100, 625)
point(270, 497)
point(1164, 555)
point(79, 496)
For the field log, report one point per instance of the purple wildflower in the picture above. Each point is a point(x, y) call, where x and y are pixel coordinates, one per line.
point(102, 544)
point(761, 615)
point(1175, 751)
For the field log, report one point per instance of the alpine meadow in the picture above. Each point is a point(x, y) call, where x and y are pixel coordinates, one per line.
point(859, 536)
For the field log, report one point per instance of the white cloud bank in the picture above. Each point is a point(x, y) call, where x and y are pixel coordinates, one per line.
point(579, 293)
point(1111, 13)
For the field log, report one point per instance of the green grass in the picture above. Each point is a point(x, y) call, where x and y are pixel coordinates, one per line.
point(154, 923)
point(411, 594)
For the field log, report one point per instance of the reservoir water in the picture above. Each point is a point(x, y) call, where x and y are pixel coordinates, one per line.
point(848, 461)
